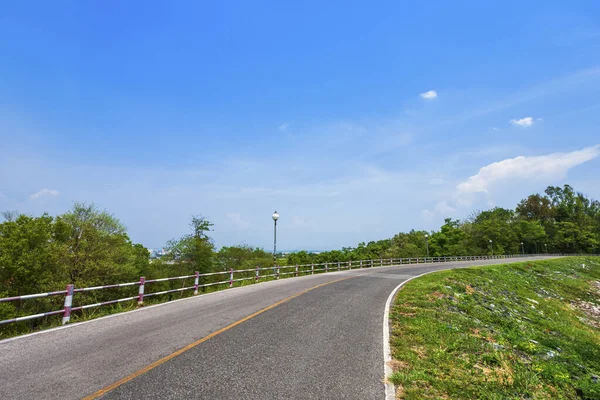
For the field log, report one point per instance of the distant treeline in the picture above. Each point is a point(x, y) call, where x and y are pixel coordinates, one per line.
point(560, 221)
point(88, 247)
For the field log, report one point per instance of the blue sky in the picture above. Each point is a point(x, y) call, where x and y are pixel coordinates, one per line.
point(354, 120)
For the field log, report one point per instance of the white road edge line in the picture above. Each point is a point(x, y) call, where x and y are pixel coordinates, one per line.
point(390, 389)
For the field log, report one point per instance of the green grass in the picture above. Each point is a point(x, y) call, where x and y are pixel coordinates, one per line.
point(501, 332)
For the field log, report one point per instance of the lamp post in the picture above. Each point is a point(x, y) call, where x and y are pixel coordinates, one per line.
point(491, 247)
point(522, 249)
point(427, 243)
point(275, 218)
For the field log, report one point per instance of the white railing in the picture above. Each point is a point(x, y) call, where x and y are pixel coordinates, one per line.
point(253, 274)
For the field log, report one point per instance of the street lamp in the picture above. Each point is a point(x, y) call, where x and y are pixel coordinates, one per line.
point(427, 243)
point(275, 218)
point(522, 249)
point(546, 247)
point(491, 247)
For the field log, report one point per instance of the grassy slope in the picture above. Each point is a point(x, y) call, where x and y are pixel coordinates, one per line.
point(507, 331)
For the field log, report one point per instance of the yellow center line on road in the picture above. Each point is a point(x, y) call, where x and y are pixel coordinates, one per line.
point(163, 360)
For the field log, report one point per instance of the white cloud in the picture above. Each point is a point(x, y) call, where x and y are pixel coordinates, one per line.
point(44, 193)
point(523, 122)
point(554, 166)
point(284, 127)
point(429, 95)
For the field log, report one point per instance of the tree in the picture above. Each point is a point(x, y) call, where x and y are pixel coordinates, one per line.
point(85, 246)
point(243, 257)
point(29, 255)
point(450, 241)
point(300, 258)
point(200, 226)
point(193, 252)
point(95, 247)
point(536, 208)
point(411, 244)
point(531, 234)
point(10, 216)
point(496, 225)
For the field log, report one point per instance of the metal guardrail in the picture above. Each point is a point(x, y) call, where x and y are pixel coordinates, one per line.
point(275, 272)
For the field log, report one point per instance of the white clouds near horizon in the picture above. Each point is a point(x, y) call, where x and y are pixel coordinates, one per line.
point(44, 193)
point(505, 178)
point(553, 166)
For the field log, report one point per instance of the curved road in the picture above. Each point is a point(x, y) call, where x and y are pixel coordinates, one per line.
point(323, 343)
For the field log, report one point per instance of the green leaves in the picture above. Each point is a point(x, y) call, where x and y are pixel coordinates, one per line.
point(85, 246)
point(194, 251)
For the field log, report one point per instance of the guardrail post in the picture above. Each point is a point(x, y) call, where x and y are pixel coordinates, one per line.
point(371, 263)
point(230, 277)
point(391, 261)
point(350, 264)
point(141, 291)
point(296, 274)
point(196, 282)
point(361, 263)
point(381, 262)
point(338, 265)
point(256, 278)
point(326, 267)
point(68, 303)
point(312, 269)
point(278, 272)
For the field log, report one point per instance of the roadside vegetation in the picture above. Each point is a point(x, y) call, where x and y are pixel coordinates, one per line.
point(88, 246)
point(517, 331)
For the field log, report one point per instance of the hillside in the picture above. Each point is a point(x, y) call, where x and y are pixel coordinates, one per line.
point(526, 331)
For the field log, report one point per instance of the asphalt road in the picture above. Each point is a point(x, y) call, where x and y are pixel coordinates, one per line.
point(325, 343)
